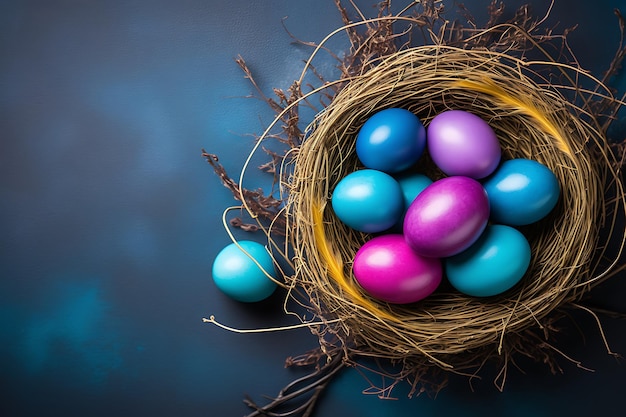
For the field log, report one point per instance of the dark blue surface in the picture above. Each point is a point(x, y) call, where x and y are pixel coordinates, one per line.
point(110, 219)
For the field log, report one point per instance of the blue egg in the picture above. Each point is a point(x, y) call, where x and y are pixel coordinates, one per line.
point(237, 274)
point(521, 191)
point(391, 140)
point(493, 264)
point(368, 200)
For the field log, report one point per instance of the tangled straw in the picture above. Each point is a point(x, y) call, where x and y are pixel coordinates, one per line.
point(534, 121)
point(539, 110)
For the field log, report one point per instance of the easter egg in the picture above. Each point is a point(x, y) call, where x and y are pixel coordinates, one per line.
point(521, 191)
point(493, 264)
point(237, 274)
point(461, 143)
point(368, 200)
point(412, 183)
point(447, 217)
point(391, 140)
point(388, 269)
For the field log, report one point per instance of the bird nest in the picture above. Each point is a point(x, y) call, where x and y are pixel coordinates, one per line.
point(449, 329)
point(541, 107)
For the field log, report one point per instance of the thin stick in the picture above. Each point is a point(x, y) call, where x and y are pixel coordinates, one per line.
point(212, 320)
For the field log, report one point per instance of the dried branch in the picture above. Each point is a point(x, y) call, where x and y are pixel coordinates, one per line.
point(263, 206)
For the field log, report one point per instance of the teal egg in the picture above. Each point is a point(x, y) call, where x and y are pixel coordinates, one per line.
point(237, 274)
point(412, 184)
point(521, 191)
point(492, 265)
point(368, 200)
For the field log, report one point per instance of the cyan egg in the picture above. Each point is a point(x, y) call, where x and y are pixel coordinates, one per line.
point(237, 274)
point(492, 265)
point(368, 200)
point(447, 217)
point(521, 191)
point(391, 140)
point(388, 269)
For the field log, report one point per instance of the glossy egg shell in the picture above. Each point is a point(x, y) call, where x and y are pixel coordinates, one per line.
point(239, 277)
point(492, 265)
point(462, 143)
point(412, 183)
point(521, 191)
point(368, 200)
point(388, 269)
point(447, 217)
point(391, 140)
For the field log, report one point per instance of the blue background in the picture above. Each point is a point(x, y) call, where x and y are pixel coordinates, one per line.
point(110, 218)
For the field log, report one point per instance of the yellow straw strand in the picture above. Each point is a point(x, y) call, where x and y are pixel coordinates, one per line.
point(488, 86)
point(335, 266)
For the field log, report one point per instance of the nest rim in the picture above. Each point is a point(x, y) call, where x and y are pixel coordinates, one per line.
point(446, 325)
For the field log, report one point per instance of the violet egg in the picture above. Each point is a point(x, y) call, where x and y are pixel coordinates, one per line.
point(447, 217)
point(461, 143)
point(388, 269)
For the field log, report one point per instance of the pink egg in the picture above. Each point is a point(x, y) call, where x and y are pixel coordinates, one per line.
point(390, 271)
point(447, 217)
point(461, 143)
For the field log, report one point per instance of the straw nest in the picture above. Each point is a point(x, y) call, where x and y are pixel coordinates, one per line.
point(534, 118)
point(541, 107)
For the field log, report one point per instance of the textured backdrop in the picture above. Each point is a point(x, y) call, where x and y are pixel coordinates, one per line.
point(110, 219)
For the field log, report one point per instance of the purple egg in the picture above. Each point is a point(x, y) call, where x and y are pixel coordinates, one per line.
point(461, 143)
point(388, 269)
point(447, 217)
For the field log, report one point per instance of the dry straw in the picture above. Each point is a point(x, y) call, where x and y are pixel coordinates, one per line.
point(448, 329)
point(543, 108)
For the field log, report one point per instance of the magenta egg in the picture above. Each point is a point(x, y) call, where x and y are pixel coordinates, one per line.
point(389, 270)
point(447, 217)
point(462, 143)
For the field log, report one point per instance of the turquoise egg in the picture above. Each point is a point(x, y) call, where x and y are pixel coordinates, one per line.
point(493, 264)
point(237, 274)
point(521, 191)
point(368, 201)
